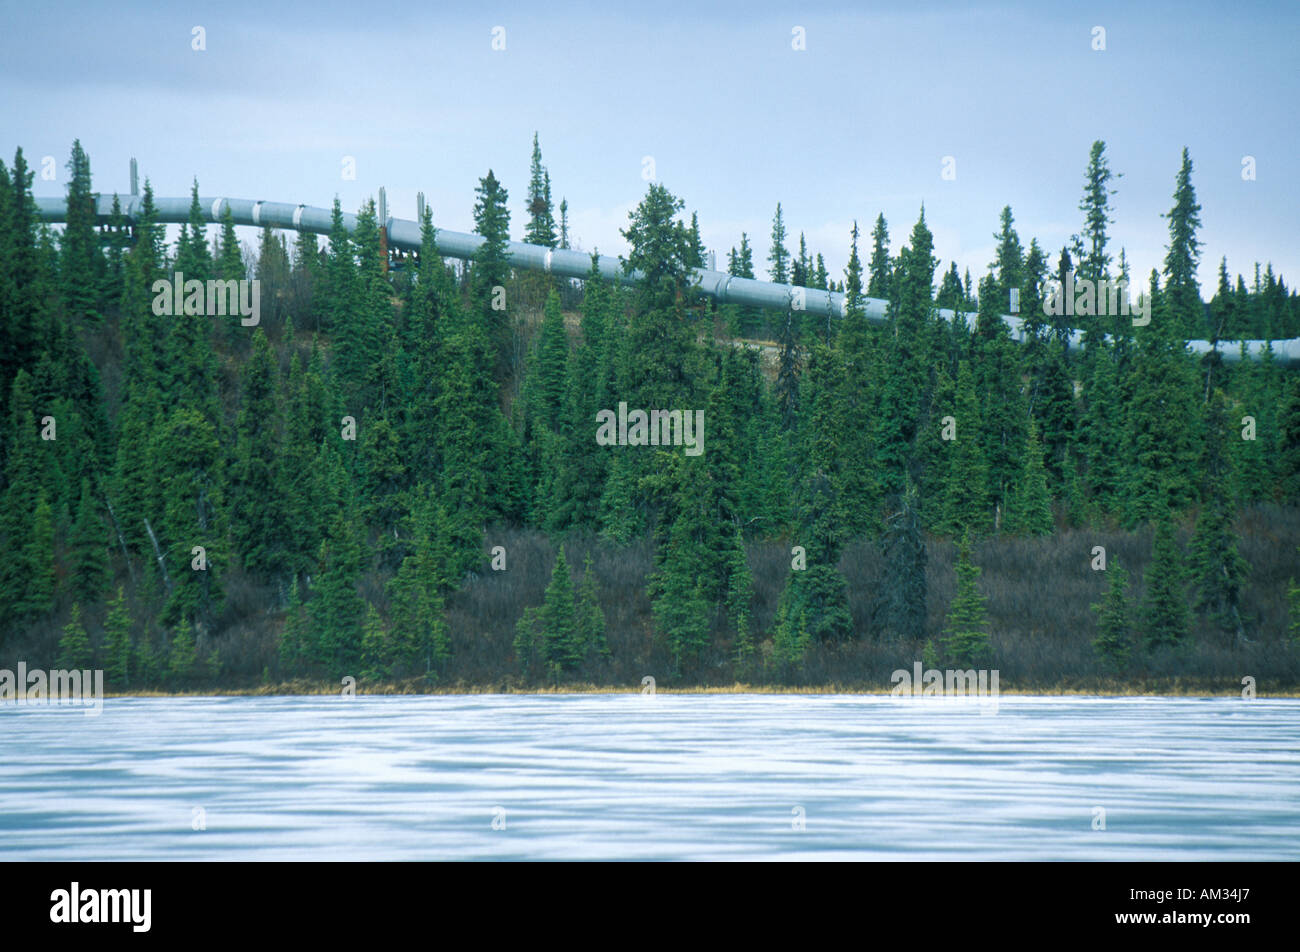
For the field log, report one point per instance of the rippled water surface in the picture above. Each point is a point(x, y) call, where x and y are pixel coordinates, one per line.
point(651, 777)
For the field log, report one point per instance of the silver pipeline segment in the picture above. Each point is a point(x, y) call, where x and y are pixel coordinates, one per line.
point(567, 263)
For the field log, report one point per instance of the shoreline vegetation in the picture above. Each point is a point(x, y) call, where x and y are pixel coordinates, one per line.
point(397, 471)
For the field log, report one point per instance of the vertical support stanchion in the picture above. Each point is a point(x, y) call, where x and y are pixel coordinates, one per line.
point(383, 227)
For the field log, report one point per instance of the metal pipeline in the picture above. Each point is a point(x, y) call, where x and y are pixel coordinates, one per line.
point(405, 234)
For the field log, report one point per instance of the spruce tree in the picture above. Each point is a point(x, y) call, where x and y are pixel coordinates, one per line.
point(589, 618)
point(492, 265)
point(117, 642)
point(1293, 611)
point(336, 608)
point(230, 263)
point(1029, 509)
point(1009, 263)
point(1094, 264)
point(966, 639)
point(81, 264)
point(295, 648)
point(374, 646)
point(89, 548)
point(1288, 464)
point(1181, 288)
point(899, 609)
point(541, 221)
point(1217, 569)
point(260, 529)
point(36, 564)
point(192, 256)
point(183, 656)
point(1164, 619)
point(549, 633)
point(1114, 638)
point(965, 498)
point(74, 644)
point(546, 378)
point(878, 281)
point(790, 637)
point(740, 591)
point(418, 630)
point(778, 257)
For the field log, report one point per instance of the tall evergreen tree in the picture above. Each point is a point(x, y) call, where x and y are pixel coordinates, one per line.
point(1010, 262)
point(1029, 508)
point(541, 220)
point(492, 266)
point(81, 264)
point(1164, 621)
point(879, 269)
point(966, 639)
point(117, 642)
point(75, 652)
point(1182, 292)
point(260, 528)
point(965, 502)
point(1094, 264)
point(1218, 571)
point(900, 605)
point(778, 257)
point(1113, 641)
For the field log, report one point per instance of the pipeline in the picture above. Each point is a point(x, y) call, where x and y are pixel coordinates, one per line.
point(404, 234)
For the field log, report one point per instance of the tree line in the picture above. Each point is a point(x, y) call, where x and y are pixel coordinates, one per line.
point(334, 476)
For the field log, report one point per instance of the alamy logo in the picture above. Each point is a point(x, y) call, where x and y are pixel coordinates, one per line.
point(657, 428)
point(931, 682)
point(103, 905)
point(1083, 297)
point(46, 687)
point(215, 298)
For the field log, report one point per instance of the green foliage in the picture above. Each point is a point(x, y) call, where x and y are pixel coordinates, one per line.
point(375, 654)
point(89, 544)
point(965, 499)
point(1293, 611)
point(1029, 510)
point(1181, 288)
point(790, 638)
point(878, 281)
point(36, 564)
point(74, 644)
point(559, 633)
point(419, 640)
point(117, 651)
point(1218, 571)
point(778, 258)
point(227, 438)
point(183, 657)
point(82, 268)
point(1289, 442)
point(492, 265)
point(965, 634)
point(740, 592)
point(541, 220)
point(589, 618)
point(1114, 627)
point(336, 608)
point(899, 608)
point(1094, 264)
point(295, 648)
point(1164, 619)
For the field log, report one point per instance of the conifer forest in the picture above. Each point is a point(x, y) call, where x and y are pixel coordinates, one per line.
point(435, 474)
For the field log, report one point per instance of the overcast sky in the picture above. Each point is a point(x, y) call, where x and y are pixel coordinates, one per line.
point(734, 117)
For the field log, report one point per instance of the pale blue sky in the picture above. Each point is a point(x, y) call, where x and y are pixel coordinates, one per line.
point(856, 124)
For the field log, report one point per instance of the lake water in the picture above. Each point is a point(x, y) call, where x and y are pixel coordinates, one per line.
point(651, 777)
